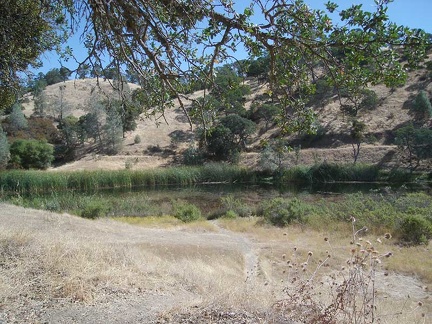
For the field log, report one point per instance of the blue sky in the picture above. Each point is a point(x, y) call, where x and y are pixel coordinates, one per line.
point(411, 13)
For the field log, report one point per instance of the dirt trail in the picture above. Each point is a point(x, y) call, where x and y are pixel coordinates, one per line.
point(191, 268)
point(249, 250)
point(115, 307)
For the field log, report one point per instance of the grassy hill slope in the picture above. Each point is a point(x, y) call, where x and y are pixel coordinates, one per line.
point(164, 138)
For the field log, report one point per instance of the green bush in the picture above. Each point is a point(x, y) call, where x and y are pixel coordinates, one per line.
point(94, 210)
point(416, 230)
point(422, 105)
point(230, 214)
point(283, 212)
point(370, 100)
point(236, 206)
point(186, 212)
point(193, 156)
point(137, 139)
point(31, 154)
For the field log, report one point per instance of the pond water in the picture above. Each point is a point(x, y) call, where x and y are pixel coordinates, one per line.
point(211, 199)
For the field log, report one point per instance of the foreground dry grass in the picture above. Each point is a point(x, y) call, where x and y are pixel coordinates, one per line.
point(63, 269)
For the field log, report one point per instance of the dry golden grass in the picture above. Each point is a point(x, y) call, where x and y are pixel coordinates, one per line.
point(68, 258)
point(326, 254)
point(167, 221)
point(50, 257)
point(415, 261)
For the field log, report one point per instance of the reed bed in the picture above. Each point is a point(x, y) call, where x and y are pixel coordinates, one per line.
point(27, 182)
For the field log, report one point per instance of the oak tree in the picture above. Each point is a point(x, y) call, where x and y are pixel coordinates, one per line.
point(167, 43)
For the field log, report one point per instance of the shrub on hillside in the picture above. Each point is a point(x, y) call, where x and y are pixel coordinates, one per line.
point(31, 154)
point(370, 100)
point(137, 139)
point(422, 105)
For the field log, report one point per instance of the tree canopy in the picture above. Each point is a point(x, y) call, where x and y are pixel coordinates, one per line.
point(178, 41)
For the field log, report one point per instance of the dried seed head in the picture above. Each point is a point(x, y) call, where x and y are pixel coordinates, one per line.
point(310, 253)
point(368, 242)
point(353, 251)
point(283, 256)
point(388, 254)
point(326, 239)
point(420, 303)
point(379, 241)
point(387, 236)
point(295, 248)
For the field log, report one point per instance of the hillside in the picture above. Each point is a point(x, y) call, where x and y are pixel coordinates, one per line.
point(163, 139)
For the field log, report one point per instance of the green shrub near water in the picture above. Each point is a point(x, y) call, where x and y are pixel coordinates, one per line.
point(283, 212)
point(94, 210)
point(233, 206)
point(186, 212)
